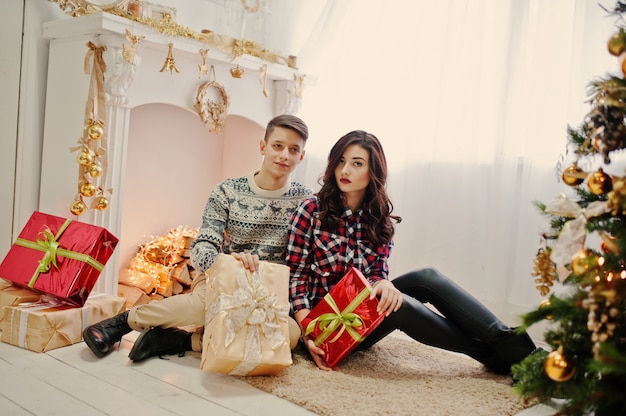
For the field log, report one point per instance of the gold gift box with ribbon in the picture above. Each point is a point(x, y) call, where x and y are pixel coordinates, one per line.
point(46, 325)
point(246, 327)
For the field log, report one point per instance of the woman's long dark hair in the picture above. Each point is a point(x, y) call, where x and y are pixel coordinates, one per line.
point(380, 228)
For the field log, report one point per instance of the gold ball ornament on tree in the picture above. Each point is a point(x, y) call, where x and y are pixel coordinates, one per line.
point(599, 183)
point(557, 367)
point(95, 170)
point(95, 131)
point(84, 158)
point(78, 207)
point(616, 45)
point(102, 203)
point(583, 261)
point(573, 175)
point(546, 304)
point(87, 189)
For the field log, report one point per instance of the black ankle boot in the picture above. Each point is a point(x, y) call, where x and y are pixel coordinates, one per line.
point(514, 347)
point(101, 337)
point(160, 341)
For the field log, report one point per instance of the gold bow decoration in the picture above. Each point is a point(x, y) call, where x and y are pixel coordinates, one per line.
point(254, 308)
point(345, 320)
point(573, 234)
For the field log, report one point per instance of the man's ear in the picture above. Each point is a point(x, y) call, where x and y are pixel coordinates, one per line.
point(262, 146)
point(302, 155)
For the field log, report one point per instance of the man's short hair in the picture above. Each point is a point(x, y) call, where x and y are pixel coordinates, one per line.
point(287, 121)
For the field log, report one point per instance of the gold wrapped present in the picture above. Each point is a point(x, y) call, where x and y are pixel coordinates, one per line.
point(43, 326)
point(246, 327)
point(14, 295)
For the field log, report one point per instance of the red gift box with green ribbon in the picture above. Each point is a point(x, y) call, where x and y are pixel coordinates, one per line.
point(343, 319)
point(58, 256)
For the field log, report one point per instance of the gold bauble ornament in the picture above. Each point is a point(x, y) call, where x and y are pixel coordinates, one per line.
point(95, 132)
point(84, 158)
point(95, 170)
point(102, 204)
point(599, 183)
point(583, 261)
point(78, 207)
point(557, 367)
point(616, 44)
point(87, 189)
point(573, 175)
point(546, 304)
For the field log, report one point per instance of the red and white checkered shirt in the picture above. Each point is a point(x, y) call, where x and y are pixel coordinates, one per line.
point(319, 258)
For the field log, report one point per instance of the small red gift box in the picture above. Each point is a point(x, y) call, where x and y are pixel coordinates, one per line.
point(343, 318)
point(58, 256)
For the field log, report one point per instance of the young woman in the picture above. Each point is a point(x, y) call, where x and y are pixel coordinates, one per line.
point(349, 223)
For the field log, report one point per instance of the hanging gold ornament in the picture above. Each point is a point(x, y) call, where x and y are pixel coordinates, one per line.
point(599, 183)
point(87, 189)
point(102, 203)
point(616, 44)
point(616, 199)
point(573, 175)
point(203, 69)
point(95, 170)
point(544, 270)
point(546, 304)
point(170, 63)
point(84, 158)
point(78, 207)
point(95, 131)
point(557, 367)
point(583, 262)
point(237, 72)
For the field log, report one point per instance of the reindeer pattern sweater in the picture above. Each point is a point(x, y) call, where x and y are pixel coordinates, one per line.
point(241, 217)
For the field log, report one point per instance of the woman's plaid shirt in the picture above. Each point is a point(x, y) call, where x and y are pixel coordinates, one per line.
point(318, 258)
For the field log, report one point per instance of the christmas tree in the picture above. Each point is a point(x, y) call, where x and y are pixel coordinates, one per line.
point(581, 267)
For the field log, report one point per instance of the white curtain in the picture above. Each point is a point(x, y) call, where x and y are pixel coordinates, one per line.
point(471, 100)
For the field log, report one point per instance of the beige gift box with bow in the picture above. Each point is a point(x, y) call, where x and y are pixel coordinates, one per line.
point(246, 329)
point(41, 326)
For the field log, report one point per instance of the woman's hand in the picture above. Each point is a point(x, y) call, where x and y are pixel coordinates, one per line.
point(389, 298)
point(316, 352)
point(250, 261)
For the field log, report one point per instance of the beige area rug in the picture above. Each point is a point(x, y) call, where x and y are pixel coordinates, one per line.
point(397, 376)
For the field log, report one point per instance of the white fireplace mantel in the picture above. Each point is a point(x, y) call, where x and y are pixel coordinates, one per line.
point(128, 86)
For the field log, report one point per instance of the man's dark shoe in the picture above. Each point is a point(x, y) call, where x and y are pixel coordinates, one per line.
point(160, 341)
point(101, 337)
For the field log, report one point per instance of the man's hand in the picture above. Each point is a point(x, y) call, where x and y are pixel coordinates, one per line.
point(250, 261)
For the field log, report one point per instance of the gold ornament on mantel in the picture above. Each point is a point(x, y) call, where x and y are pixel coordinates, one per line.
point(170, 63)
point(203, 69)
point(212, 112)
point(129, 52)
point(237, 72)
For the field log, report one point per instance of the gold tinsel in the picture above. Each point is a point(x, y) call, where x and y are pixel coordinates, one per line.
point(167, 26)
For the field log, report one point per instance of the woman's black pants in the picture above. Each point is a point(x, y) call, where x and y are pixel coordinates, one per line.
point(460, 324)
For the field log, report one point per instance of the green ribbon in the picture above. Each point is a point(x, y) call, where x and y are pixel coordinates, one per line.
point(50, 246)
point(345, 320)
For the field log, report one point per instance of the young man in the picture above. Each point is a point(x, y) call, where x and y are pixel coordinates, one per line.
point(246, 217)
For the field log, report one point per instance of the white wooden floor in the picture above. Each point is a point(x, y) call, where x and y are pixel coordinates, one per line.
point(72, 381)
